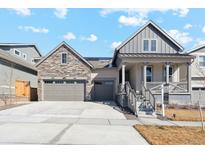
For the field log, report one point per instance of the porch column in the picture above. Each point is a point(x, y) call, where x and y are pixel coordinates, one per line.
point(189, 77)
point(145, 75)
point(123, 75)
point(167, 73)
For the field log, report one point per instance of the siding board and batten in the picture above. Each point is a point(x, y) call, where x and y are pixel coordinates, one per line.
point(149, 32)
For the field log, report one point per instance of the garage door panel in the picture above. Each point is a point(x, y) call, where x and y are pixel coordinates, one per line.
point(104, 90)
point(64, 91)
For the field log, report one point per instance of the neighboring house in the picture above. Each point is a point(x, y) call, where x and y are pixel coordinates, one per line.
point(198, 73)
point(17, 65)
point(141, 64)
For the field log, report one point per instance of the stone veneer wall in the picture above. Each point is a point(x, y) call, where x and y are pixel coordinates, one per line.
point(51, 68)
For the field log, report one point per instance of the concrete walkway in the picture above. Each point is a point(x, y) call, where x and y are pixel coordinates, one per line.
point(67, 123)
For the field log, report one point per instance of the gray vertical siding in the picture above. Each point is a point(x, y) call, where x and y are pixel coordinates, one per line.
point(163, 44)
point(5, 73)
point(30, 51)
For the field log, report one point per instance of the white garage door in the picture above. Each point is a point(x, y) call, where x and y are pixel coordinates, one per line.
point(64, 90)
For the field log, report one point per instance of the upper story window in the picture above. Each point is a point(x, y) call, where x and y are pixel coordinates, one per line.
point(149, 45)
point(17, 52)
point(64, 58)
point(153, 45)
point(202, 61)
point(146, 45)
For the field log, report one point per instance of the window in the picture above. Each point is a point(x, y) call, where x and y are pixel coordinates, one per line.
point(170, 73)
point(149, 45)
point(24, 56)
point(202, 61)
point(64, 58)
point(146, 45)
point(198, 88)
point(17, 52)
point(149, 74)
point(153, 45)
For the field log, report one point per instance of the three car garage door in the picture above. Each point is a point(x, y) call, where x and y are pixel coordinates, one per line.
point(64, 90)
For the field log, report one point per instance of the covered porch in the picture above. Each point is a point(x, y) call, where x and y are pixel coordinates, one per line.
point(143, 71)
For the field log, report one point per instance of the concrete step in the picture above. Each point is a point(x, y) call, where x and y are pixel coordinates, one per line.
point(147, 114)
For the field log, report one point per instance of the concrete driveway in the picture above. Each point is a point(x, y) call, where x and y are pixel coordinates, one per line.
point(66, 123)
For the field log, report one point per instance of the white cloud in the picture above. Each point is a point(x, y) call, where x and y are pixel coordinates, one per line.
point(181, 12)
point(33, 29)
point(22, 11)
point(91, 38)
point(115, 44)
point(144, 12)
point(69, 36)
point(203, 29)
point(137, 17)
point(131, 21)
point(199, 41)
point(188, 26)
point(181, 37)
point(61, 13)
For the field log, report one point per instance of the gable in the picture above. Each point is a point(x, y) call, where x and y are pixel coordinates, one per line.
point(75, 68)
point(199, 50)
point(135, 44)
point(68, 48)
point(54, 59)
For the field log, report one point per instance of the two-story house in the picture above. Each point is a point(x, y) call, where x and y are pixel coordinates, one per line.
point(17, 65)
point(198, 73)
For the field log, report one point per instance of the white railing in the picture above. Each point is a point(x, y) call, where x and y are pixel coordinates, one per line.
point(149, 96)
point(131, 98)
point(174, 87)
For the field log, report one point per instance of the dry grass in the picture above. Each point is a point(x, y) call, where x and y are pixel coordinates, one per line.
point(172, 135)
point(184, 114)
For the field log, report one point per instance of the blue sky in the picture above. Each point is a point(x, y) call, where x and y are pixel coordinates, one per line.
point(95, 32)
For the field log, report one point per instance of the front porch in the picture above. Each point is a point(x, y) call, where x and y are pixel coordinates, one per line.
point(151, 73)
point(146, 75)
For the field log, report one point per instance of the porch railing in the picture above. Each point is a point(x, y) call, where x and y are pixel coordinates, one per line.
point(149, 96)
point(131, 98)
point(174, 87)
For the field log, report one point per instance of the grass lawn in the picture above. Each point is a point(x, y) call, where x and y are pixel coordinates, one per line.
point(184, 114)
point(171, 135)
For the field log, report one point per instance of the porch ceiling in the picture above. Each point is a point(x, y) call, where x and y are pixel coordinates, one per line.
point(155, 58)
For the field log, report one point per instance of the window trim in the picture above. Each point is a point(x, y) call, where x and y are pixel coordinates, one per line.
point(17, 51)
point(164, 73)
point(151, 73)
point(62, 57)
point(149, 45)
point(199, 61)
point(143, 45)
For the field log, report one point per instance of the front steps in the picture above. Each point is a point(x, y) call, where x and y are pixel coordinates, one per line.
point(145, 109)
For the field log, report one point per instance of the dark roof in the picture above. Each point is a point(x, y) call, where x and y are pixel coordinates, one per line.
point(154, 55)
point(10, 58)
point(21, 45)
point(99, 62)
point(196, 48)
